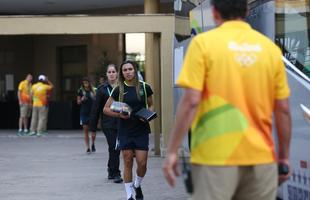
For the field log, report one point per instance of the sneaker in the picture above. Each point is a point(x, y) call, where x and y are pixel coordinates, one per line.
point(20, 132)
point(41, 133)
point(26, 131)
point(131, 198)
point(110, 176)
point(139, 194)
point(88, 151)
point(93, 148)
point(32, 133)
point(118, 179)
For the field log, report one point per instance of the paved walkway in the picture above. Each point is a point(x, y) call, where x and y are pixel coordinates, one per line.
point(56, 167)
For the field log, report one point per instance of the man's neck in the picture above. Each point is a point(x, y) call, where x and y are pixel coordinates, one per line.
point(222, 21)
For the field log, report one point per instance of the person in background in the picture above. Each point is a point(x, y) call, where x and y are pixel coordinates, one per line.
point(85, 97)
point(101, 80)
point(108, 124)
point(24, 99)
point(40, 92)
point(234, 80)
point(133, 134)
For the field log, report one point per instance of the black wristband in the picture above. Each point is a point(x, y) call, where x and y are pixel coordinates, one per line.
point(283, 169)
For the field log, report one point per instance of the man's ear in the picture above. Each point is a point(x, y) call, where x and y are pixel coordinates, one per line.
point(216, 16)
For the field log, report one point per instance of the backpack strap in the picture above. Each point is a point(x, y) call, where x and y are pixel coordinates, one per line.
point(145, 95)
point(82, 90)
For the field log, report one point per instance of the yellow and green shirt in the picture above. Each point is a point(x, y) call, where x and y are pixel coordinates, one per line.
point(40, 94)
point(24, 88)
point(240, 74)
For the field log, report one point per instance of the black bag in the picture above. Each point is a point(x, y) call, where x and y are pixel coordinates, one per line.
point(187, 175)
point(146, 115)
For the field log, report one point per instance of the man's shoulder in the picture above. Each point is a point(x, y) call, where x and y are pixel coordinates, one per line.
point(266, 41)
point(206, 37)
point(35, 84)
point(22, 83)
point(213, 32)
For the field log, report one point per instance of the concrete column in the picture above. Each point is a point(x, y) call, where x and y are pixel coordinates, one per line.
point(151, 6)
point(152, 69)
point(167, 117)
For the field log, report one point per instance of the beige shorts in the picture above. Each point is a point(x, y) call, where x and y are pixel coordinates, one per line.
point(25, 110)
point(235, 183)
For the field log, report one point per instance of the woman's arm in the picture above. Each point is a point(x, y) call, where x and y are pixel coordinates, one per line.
point(109, 112)
point(78, 100)
point(150, 102)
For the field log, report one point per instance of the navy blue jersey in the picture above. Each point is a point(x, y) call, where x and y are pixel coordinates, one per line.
point(103, 93)
point(86, 104)
point(133, 126)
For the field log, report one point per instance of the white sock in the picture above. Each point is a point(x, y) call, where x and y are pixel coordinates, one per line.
point(138, 181)
point(20, 130)
point(129, 189)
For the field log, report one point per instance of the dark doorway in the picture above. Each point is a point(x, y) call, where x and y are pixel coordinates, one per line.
point(72, 62)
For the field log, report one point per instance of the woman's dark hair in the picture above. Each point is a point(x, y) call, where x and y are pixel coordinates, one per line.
point(121, 79)
point(231, 9)
point(85, 79)
point(91, 87)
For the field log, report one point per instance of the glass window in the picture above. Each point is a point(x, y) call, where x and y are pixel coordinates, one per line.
point(292, 32)
point(135, 49)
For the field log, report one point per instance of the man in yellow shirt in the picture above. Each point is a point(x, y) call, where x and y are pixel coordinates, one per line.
point(234, 81)
point(24, 99)
point(40, 95)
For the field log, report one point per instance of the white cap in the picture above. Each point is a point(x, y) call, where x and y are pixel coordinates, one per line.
point(42, 78)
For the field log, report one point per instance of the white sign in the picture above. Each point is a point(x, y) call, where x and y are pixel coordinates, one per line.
point(9, 82)
point(178, 62)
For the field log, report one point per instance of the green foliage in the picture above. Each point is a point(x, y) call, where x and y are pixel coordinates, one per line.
point(137, 58)
point(103, 62)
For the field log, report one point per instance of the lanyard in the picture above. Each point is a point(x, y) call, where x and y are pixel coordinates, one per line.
point(109, 91)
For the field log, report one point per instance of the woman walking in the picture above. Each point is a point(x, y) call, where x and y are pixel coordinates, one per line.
point(85, 97)
point(133, 133)
point(108, 124)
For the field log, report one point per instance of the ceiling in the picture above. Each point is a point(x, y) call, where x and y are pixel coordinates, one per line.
point(30, 7)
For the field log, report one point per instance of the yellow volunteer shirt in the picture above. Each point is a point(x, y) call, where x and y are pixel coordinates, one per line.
point(240, 73)
point(40, 94)
point(25, 90)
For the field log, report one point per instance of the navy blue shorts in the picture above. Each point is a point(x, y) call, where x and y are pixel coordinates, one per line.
point(84, 120)
point(139, 142)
